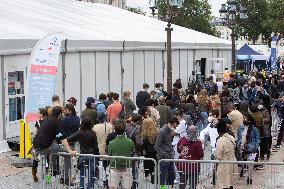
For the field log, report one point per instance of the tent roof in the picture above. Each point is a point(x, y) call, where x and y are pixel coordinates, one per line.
point(33, 19)
point(245, 50)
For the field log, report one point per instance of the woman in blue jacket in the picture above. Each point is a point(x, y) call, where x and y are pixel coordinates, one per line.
point(248, 140)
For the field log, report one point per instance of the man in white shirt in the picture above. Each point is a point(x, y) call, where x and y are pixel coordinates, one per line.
point(180, 131)
point(211, 131)
point(213, 76)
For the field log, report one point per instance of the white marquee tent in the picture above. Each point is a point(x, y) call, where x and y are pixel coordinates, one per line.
point(107, 49)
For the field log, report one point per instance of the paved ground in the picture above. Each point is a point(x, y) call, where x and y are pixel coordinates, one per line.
point(18, 178)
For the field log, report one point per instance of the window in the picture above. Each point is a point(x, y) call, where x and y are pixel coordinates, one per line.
point(16, 98)
point(16, 83)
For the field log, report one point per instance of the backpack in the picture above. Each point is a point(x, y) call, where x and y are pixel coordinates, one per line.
point(258, 118)
point(100, 107)
point(158, 94)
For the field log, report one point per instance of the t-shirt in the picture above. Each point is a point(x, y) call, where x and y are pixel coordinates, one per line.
point(226, 75)
point(220, 86)
point(181, 131)
point(70, 125)
point(120, 146)
point(113, 111)
point(49, 131)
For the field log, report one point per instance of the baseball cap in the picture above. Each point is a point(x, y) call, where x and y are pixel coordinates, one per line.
point(72, 99)
point(90, 100)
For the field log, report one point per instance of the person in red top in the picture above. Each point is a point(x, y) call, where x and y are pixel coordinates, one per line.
point(189, 148)
point(114, 109)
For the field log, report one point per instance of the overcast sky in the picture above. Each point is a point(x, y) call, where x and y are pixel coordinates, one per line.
point(144, 4)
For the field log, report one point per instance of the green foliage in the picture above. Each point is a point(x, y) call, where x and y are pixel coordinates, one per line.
point(253, 27)
point(194, 14)
point(136, 10)
point(275, 20)
point(264, 18)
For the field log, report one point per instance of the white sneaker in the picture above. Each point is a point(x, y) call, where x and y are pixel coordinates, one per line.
point(176, 181)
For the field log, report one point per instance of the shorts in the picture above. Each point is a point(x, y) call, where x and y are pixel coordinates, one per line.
point(121, 178)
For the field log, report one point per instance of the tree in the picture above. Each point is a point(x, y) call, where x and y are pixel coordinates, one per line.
point(253, 27)
point(136, 10)
point(275, 19)
point(194, 14)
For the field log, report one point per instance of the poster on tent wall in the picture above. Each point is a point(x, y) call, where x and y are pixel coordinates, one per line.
point(273, 53)
point(41, 76)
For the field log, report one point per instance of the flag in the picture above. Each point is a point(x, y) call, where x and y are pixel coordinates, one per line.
point(41, 75)
point(273, 58)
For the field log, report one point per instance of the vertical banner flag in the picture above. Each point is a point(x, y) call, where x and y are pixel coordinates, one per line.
point(41, 75)
point(273, 53)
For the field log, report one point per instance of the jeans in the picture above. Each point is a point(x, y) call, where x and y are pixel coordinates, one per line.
point(280, 135)
point(203, 122)
point(167, 174)
point(135, 167)
point(87, 164)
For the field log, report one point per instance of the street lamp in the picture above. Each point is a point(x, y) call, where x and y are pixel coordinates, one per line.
point(172, 6)
point(229, 13)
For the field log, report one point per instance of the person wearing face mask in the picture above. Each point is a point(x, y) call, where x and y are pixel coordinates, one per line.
point(247, 144)
point(211, 131)
point(189, 148)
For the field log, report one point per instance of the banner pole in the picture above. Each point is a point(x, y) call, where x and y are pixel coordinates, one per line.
point(24, 141)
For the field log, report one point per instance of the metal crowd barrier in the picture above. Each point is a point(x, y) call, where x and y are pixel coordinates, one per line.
point(97, 171)
point(212, 174)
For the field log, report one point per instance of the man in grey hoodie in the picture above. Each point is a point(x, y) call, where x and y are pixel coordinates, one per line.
point(165, 150)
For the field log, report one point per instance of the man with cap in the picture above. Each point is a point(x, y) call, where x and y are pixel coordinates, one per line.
point(72, 100)
point(90, 110)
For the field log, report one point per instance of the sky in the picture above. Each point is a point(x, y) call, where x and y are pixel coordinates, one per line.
point(144, 5)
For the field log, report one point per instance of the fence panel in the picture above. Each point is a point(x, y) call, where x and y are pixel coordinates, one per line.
point(220, 174)
point(94, 171)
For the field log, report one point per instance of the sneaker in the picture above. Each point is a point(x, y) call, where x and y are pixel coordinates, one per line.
point(261, 167)
point(176, 181)
point(277, 147)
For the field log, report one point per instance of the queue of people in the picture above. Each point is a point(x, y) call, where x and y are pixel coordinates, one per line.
point(234, 115)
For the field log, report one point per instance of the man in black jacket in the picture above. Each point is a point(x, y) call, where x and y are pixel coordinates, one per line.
point(142, 97)
point(45, 140)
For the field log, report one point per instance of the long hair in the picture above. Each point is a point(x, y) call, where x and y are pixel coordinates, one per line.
point(202, 97)
point(71, 108)
point(86, 124)
point(149, 130)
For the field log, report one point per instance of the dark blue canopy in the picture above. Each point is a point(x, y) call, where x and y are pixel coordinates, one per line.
point(246, 53)
point(246, 50)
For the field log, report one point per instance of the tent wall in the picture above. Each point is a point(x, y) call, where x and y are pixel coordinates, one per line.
point(91, 72)
point(2, 100)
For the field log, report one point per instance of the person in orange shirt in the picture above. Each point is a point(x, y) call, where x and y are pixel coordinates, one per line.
point(226, 76)
point(114, 109)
